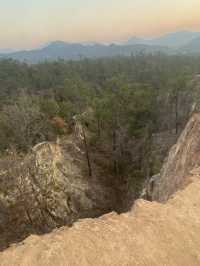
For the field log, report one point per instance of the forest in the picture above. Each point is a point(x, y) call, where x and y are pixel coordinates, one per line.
point(134, 108)
point(131, 98)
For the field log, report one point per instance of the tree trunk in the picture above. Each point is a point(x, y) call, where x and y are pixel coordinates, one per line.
point(87, 153)
point(147, 152)
point(99, 127)
point(176, 114)
point(115, 163)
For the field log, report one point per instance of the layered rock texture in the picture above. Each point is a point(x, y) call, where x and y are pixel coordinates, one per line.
point(183, 157)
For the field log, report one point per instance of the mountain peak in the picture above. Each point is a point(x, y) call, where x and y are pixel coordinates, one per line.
point(172, 39)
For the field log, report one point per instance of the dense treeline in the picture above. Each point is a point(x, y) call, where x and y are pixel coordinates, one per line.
point(131, 99)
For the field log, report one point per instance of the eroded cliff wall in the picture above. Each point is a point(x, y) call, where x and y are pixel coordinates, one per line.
point(183, 157)
point(151, 234)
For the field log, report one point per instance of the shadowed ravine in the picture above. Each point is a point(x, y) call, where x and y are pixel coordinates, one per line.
point(151, 233)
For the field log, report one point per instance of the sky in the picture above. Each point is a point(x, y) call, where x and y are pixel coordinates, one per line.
point(30, 23)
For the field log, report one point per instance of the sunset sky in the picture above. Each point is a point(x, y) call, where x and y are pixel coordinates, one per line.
point(29, 23)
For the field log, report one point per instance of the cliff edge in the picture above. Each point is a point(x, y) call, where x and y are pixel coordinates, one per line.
point(183, 157)
point(151, 234)
point(166, 232)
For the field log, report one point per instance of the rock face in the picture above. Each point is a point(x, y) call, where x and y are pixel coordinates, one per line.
point(182, 158)
point(50, 187)
point(151, 234)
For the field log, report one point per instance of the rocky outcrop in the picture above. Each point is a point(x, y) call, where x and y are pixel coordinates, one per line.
point(59, 189)
point(151, 234)
point(50, 187)
point(183, 157)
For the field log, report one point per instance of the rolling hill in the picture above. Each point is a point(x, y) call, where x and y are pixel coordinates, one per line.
point(74, 51)
point(183, 42)
point(174, 40)
point(192, 47)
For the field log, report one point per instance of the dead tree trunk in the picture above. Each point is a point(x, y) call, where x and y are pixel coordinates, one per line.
point(87, 153)
point(115, 163)
point(176, 114)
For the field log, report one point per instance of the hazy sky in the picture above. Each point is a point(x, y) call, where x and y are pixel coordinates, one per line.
point(28, 23)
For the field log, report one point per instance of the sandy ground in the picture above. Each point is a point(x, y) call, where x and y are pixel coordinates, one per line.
point(152, 234)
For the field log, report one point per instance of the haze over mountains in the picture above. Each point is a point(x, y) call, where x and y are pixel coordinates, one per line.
point(183, 42)
point(174, 40)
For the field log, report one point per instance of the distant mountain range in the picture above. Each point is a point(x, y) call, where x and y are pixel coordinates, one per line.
point(74, 51)
point(184, 42)
point(172, 40)
point(7, 51)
